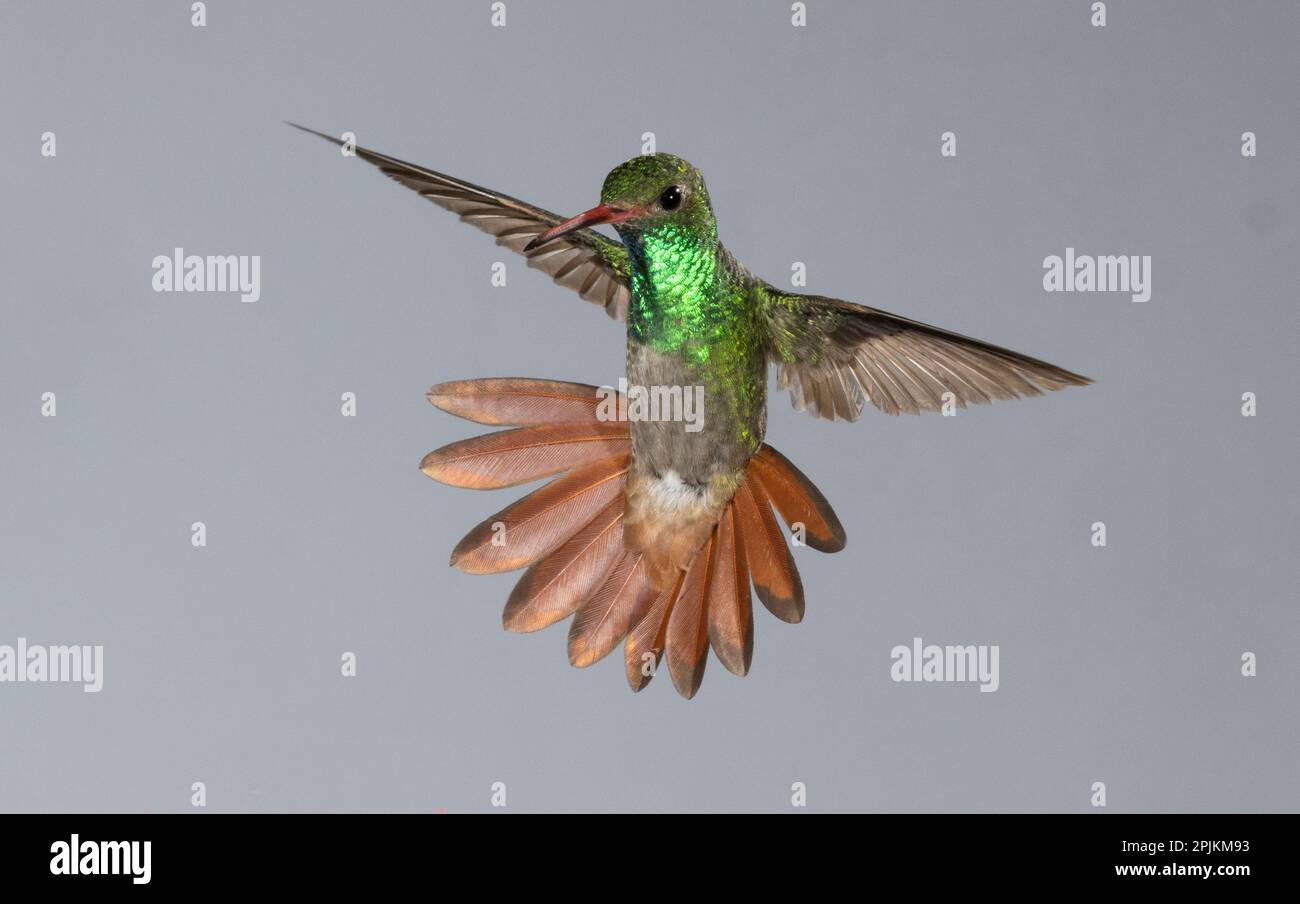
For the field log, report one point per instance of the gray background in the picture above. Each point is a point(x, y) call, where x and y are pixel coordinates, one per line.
point(820, 144)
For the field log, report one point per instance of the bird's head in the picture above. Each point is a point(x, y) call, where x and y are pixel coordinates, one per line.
point(644, 194)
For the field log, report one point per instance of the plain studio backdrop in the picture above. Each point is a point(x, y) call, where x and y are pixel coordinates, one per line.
point(821, 145)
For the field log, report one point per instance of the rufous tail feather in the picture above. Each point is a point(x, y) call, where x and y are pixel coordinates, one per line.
point(665, 584)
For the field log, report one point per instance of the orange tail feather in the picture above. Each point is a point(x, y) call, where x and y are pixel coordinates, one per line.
point(771, 566)
point(798, 501)
point(731, 611)
point(518, 402)
point(536, 525)
point(512, 457)
point(645, 642)
point(688, 626)
point(555, 587)
point(617, 606)
point(664, 583)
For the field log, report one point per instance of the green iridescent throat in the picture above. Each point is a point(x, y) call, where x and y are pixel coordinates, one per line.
point(680, 302)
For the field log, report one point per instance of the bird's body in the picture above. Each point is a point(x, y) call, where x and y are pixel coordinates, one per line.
point(656, 528)
point(691, 323)
point(685, 333)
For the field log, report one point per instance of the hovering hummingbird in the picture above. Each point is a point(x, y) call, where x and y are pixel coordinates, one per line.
point(653, 533)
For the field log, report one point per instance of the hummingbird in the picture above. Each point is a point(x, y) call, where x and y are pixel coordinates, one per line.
point(652, 533)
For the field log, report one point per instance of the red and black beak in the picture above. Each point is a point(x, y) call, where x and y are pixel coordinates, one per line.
point(601, 213)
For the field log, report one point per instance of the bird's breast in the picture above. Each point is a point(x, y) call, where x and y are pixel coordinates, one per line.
point(695, 418)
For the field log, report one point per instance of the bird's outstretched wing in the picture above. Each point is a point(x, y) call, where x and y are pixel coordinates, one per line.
point(584, 260)
point(832, 354)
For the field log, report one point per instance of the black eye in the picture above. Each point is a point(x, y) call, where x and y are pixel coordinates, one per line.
point(671, 199)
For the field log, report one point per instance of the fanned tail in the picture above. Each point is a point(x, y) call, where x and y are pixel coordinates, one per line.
point(569, 534)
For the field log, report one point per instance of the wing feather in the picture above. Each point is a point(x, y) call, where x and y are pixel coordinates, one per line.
point(832, 355)
point(571, 260)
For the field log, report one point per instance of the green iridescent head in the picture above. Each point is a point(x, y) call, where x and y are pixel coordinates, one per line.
point(658, 189)
point(653, 194)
